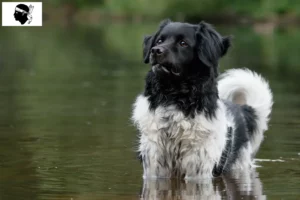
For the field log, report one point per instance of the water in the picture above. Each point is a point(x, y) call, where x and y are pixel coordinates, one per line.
point(65, 130)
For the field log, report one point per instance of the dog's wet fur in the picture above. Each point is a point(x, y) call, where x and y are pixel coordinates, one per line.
point(193, 122)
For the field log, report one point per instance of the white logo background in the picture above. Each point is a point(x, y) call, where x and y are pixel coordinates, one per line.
point(8, 10)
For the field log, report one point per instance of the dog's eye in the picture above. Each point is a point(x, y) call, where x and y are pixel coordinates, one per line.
point(183, 43)
point(159, 41)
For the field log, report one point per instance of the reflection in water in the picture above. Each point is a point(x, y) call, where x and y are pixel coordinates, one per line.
point(238, 185)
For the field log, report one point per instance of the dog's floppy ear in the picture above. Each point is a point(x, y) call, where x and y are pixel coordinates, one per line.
point(150, 39)
point(211, 45)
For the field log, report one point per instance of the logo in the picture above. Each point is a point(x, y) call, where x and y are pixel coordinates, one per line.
point(21, 13)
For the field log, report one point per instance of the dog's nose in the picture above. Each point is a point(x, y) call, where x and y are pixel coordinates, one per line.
point(157, 51)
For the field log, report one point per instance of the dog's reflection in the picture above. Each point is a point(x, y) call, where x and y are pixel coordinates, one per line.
point(238, 185)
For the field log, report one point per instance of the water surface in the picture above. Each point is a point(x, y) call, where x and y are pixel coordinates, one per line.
point(66, 97)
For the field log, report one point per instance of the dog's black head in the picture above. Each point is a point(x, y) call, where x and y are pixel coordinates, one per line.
point(180, 50)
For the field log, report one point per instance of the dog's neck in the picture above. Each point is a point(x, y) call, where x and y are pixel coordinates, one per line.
point(191, 96)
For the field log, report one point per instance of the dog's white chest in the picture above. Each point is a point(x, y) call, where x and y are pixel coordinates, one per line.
point(167, 136)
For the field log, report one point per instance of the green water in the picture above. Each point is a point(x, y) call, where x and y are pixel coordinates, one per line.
point(65, 107)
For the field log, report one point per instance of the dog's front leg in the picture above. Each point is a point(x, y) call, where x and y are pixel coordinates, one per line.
point(156, 162)
point(196, 168)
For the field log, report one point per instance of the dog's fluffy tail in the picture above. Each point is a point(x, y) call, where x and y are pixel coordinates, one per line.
point(243, 86)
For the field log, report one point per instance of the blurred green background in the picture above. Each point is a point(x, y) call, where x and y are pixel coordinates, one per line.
point(225, 11)
point(67, 88)
point(234, 11)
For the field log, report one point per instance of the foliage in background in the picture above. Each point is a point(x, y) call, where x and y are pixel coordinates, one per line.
point(190, 9)
point(254, 9)
point(179, 9)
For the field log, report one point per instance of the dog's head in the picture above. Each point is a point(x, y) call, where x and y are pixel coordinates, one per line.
point(182, 49)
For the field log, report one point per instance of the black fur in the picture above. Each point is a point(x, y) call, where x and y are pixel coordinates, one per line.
point(250, 117)
point(150, 39)
point(195, 88)
point(212, 45)
point(190, 96)
point(184, 73)
point(245, 125)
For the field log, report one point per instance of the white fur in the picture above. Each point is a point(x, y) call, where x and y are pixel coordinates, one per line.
point(256, 93)
point(202, 140)
point(244, 160)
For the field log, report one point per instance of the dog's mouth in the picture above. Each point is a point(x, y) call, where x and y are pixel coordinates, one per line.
point(164, 68)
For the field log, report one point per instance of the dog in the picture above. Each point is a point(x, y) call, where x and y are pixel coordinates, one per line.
point(193, 122)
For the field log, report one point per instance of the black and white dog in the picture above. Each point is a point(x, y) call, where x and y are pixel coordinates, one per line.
point(193, 123)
